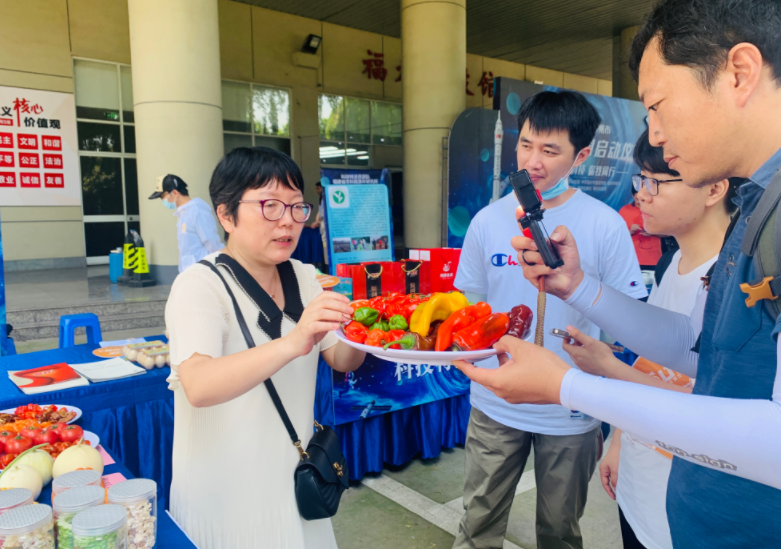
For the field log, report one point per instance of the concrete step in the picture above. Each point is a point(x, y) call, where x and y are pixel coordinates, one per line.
point(45, 323)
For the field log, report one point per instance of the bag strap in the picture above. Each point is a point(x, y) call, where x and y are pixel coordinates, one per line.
point(272, 391)
point(662, 264)
point(762, 242)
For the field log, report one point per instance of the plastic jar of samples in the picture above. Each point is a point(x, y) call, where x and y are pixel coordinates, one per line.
point(70, 503)
point(139, 497)
point(75, 479)
point(15, 497)
point(102, 527)
point(27, 527)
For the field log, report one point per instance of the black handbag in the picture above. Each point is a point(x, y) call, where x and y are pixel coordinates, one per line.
point(321, 474)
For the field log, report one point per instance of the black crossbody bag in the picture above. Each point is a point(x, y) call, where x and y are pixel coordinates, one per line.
point(321, 474)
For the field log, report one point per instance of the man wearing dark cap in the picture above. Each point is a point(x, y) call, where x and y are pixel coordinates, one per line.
point(196, 229)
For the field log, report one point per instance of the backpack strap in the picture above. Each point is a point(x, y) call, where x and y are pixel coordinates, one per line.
point(662, 264)
point(762, 242)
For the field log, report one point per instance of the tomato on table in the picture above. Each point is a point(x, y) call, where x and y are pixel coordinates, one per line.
point(31, 432)
point(6, 435)
point(18, 444)
point(6, 459)
point(47, 436)
point(71, 433)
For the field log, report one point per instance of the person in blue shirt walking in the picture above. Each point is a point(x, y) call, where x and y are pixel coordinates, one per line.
point(196, 228)
point(709, 73)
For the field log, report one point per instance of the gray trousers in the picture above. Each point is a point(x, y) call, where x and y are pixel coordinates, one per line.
point(495, 458)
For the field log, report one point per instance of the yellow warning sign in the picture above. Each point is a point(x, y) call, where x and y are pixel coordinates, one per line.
point(127, 257)
point(141, 266)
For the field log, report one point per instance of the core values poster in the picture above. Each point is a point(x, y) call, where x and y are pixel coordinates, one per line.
point(39, 161)
point(357, 219)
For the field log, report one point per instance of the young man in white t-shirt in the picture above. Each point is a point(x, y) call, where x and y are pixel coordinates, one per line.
point(698, 218)
point(556, 130)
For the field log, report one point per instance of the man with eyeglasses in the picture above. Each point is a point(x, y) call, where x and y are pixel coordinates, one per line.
point(196, 228)
point(647, 246)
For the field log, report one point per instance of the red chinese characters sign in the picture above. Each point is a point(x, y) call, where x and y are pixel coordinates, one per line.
point(374, 68)
point(39, 164)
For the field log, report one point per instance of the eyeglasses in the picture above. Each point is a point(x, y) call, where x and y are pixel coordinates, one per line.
point(274, 209)
point(651, 184)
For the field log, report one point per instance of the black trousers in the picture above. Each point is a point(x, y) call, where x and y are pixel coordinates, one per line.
point(627, 534)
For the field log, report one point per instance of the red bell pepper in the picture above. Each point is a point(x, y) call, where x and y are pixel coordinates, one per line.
point(458, 321)
point(393, 335)
point(357, 332)
point(378, 303)
point(482, 334)
point(375, 338)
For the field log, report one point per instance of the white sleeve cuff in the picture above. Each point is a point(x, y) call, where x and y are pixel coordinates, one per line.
point(565, 395)
point(584, 296)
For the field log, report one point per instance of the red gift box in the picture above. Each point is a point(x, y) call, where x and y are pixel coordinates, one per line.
point(438, 269)
point(379, 278)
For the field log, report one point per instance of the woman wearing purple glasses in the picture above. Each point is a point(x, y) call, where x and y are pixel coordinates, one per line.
point(236, 490)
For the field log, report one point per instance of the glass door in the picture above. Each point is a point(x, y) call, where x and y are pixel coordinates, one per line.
point(104, 112)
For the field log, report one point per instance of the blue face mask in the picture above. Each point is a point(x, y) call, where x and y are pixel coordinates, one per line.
point(169, 205)
point(556, 190)
point(559, 187)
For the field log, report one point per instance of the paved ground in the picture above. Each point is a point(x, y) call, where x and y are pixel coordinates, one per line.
point(418, 507)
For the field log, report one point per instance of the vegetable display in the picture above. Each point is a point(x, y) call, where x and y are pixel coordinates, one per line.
point(79, 456)
point(440, 322)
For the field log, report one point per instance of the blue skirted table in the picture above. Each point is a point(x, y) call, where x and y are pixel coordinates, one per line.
point(134, 417)
point(395, 437)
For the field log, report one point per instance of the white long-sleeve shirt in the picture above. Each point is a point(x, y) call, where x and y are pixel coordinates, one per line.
point(196, 232)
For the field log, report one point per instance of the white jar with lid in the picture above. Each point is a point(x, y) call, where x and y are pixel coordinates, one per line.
point(139, 497)
point(102, 527)
point(68, 504)
point(75, 479)
point(27, 527)
point(15, 497)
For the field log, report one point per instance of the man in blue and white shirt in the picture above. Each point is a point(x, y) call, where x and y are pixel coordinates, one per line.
point(555, 132)
point(196, 228)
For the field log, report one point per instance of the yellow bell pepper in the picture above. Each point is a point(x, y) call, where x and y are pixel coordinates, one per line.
point(439, 307)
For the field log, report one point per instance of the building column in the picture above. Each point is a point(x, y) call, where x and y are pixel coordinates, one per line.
point(177, 97)
point(433, 44)
point(623, 84)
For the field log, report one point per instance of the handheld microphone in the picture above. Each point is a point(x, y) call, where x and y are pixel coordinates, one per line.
point(531, 202)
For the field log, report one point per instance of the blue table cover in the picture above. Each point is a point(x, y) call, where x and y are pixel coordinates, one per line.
point(310, 247)
point(169, 535)
point(134, 417)
point(396, 437)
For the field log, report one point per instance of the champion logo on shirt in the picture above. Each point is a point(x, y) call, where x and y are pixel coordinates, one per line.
point(502, 260)
point(634, 283)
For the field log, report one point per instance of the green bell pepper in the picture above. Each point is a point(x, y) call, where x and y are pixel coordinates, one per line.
point(398, 322)
point(381, 325)
point(366, 316)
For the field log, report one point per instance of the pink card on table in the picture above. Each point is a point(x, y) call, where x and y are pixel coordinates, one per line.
point(107, 459)
point(112, 479)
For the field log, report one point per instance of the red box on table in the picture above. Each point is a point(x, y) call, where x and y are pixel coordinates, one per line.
point(375, 278)
point(438, 268)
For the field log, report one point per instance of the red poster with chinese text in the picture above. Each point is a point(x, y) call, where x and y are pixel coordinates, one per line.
point(6, 140)
point(51, 143)
point(7, 179)
point(6, 159)
point(29, 180)
point(52, 161)
point(27, 141)
point(28, 160)
point(54, 180)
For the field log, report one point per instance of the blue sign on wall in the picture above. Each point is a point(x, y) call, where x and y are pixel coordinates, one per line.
point(357, 216)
